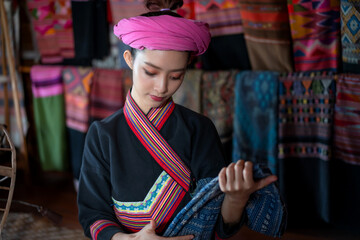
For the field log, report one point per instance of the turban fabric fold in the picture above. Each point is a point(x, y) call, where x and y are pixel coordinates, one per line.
point(164, 32)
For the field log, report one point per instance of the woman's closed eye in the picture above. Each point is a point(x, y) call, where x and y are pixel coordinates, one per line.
point(149, 73)
point(176, 77)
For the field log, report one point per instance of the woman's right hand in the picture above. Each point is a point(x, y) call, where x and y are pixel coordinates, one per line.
point(148, 233)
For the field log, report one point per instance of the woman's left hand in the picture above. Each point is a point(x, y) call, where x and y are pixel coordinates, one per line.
point(237, 182)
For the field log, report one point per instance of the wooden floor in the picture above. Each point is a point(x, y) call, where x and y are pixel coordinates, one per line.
point(56, 193)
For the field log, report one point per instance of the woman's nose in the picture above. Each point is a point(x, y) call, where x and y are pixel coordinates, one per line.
point(161, 85)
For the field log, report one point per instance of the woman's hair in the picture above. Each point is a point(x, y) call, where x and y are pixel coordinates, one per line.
point(156, 9)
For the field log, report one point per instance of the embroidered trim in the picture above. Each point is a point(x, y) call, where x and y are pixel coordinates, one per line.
point(98, 226)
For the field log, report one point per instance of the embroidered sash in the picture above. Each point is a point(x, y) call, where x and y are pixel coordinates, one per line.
point(172, 184)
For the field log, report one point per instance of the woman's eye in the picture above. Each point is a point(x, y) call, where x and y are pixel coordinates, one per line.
point(149, 73)
point(175, 77)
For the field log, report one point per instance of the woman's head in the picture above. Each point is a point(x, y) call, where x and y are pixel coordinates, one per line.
point(157, 74)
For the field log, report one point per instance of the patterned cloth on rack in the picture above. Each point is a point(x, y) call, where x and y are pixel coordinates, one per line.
point(223, 16)
point(315, 30)
point(52, 23)
point(189, 94)
point(217, 101)
point(350, 35)
point(77, 81)
point(306, 104)
point(187, 10)
point(347, 118)
point(267, 34)
point(107, 93)
point(255, 119)
point(49, 116)
point(126, 8)
point(266, 212)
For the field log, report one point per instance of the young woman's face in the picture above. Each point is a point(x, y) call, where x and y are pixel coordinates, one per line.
point(156, 75)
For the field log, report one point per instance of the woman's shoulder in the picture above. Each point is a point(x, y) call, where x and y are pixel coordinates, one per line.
point(109, 123)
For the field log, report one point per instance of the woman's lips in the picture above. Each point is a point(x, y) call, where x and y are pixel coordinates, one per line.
point(155, 98)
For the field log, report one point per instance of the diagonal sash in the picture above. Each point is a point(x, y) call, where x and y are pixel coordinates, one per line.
point(146, 129)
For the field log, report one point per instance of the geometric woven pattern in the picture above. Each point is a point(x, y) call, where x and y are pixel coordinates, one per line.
point(315, 30)
point(350, 31)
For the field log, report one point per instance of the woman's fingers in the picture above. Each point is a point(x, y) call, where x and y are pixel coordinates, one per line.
point(265, 181)
point(248, 173)
point(222, 180)
point(230, 177)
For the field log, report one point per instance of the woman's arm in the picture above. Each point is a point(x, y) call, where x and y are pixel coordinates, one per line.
point(237, 182)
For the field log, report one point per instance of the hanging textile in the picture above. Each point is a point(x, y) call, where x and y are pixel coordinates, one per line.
point(347, 154)
point(255, 118)
point(223, 17)
point(350, 35)
point(49, 116)
point(217, 101)
point(315, 29)
point(77, 82)
point(52, 24)
point(267, 34)
point(91, 29)
point(188, 95)
point(187, 10)
point(126, 8)
point(107, 93)
point(226, 53)
point(306, 103)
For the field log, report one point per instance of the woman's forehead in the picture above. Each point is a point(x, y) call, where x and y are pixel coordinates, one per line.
point(164, 59)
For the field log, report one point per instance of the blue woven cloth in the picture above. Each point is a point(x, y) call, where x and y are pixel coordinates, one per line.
point(266, 212)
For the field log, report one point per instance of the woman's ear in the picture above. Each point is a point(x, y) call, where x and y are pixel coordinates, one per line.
point(128, 59)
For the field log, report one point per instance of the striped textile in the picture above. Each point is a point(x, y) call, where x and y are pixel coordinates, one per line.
point(52, 24)
point(306, 103)
point(189, 94)
point(158, 205)
point(266, 211)
point(77, 82)
point(171, 186)
point(217, 100)
point(49, 116)
point(223, 17)
point(107, 93)
point(267, 34)
point(315, 30)
point(99, 225)
point(350, 35)
point(126, 8)
point(347, 118)
point(255, 118)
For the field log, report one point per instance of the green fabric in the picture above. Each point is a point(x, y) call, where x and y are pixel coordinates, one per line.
point(49, 114)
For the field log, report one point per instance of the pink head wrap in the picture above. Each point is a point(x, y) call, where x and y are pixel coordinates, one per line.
point(164, 32)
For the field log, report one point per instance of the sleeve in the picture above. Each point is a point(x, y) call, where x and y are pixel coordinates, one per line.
point(96, 214)
point(207, 160)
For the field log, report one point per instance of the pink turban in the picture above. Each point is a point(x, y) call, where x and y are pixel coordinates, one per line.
point(164, 32)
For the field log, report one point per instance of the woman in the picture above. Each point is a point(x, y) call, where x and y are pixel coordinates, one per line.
point(141, 164)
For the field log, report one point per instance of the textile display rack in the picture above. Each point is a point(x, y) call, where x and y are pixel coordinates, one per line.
point(9, 77)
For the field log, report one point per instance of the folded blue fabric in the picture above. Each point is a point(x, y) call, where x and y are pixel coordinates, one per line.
point(266, 212)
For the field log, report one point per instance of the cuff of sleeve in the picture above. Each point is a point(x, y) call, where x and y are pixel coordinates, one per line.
point(104, 229)
point(224, 231)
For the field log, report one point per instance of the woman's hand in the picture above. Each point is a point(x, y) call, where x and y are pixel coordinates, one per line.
point(237, 182)
point(148, 233)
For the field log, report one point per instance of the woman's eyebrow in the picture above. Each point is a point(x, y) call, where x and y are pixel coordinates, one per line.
point(174, 70)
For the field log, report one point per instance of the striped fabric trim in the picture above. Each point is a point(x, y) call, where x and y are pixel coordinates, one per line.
point(159, 204)
point(98, 226)
point(155, 144)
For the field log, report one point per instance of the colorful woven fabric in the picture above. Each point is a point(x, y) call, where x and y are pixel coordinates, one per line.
point(106, 96)
point(347, 118)
point(223, 16)
point(315, 30)
point(77, 81)
point(267, 34)
point(49, 116)
point(97, 226)
point(255, 119)
point(217, 101)
point(306, 103)
point(52, 23)
point(350, 35)
point(187, 10)
point(266, 212)
point(188, 95)
point(126, 8)
point(172, 184)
